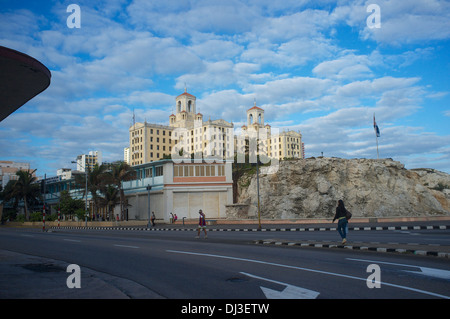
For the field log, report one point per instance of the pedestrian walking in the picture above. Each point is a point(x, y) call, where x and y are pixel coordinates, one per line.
point(201, 224)
point(153, 219)
point(341, 216)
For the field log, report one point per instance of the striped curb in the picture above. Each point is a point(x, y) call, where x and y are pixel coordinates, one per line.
point(300, 229)
point(355, 247)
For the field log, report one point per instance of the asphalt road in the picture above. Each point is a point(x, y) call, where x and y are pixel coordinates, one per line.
point(226, 265)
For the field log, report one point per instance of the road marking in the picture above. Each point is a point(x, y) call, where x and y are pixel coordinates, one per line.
point(431, 272)
point(290, 292)
point(307, 269)
point(126, 246)
point(74, 240)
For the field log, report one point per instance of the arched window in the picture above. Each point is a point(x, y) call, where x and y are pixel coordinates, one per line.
point(251, 118)
point(179, 106)
point(189, 105)
point(259, 118)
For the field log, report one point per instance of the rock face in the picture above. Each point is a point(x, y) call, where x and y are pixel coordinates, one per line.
point(310, 188)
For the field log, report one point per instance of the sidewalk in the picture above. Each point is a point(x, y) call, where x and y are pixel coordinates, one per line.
point(31, 277)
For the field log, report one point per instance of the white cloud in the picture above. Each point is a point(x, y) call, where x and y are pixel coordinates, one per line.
point(348, 67)
point(402, 22)
point(287, 55)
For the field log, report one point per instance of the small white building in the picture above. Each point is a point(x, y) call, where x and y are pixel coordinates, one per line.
point(181, 189)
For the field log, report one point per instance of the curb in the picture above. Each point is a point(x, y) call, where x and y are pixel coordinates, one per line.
point(354, 228)
point(362, 247)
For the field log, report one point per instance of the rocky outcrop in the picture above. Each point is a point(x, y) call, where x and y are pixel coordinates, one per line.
point(310, 188)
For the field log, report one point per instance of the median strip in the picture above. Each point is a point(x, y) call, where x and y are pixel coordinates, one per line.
point(374, 247)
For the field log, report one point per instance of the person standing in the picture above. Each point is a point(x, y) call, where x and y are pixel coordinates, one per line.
point(201, 224)
point(341, 216)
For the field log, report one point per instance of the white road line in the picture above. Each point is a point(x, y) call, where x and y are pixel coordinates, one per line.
point(426, 271)
point(126, 246)
point(290, 292)
point(74, 240)
point(307, 269)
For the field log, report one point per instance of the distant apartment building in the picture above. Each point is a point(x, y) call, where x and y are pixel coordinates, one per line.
point(8, 170)
point(189, 135)
point(85, 161)
point(126, 155)
point(64, 173)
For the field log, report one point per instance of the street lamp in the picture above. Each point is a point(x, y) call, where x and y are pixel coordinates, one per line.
point(257, 179)
point(148, 196)
point(86, 194)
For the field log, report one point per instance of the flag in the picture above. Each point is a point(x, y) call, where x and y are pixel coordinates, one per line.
point(375, 127)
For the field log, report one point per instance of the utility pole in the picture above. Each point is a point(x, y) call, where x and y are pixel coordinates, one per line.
point(148, 209)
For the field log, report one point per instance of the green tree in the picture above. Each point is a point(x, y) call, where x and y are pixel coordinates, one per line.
point(111, 198)
point(26, 188)
point(121, 172)
point(9, 194)
point(97, 178)
point(68, 205)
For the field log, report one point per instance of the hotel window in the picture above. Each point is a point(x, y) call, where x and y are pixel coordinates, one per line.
point(159, 171)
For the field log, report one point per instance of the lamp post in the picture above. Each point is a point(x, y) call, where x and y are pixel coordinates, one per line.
point(86, 194)
point(257, 179)
point(148, 210)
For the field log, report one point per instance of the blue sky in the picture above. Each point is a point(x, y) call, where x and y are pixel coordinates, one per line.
point(313, 66)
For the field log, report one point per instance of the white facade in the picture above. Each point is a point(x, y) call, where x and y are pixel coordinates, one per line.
point(89, 160)
point(126, 155)
point(180, 189)
point(65, 173)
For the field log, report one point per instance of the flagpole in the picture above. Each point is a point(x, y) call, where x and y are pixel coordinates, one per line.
point(377, 133)
point(378, 154)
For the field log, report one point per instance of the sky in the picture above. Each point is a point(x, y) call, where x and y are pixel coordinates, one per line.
point(323, 68)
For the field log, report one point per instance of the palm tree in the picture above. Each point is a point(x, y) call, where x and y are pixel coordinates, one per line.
point(95, 182)
point(9, 194)
point(120, 172)
point(111, 198)
point(26, 188)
